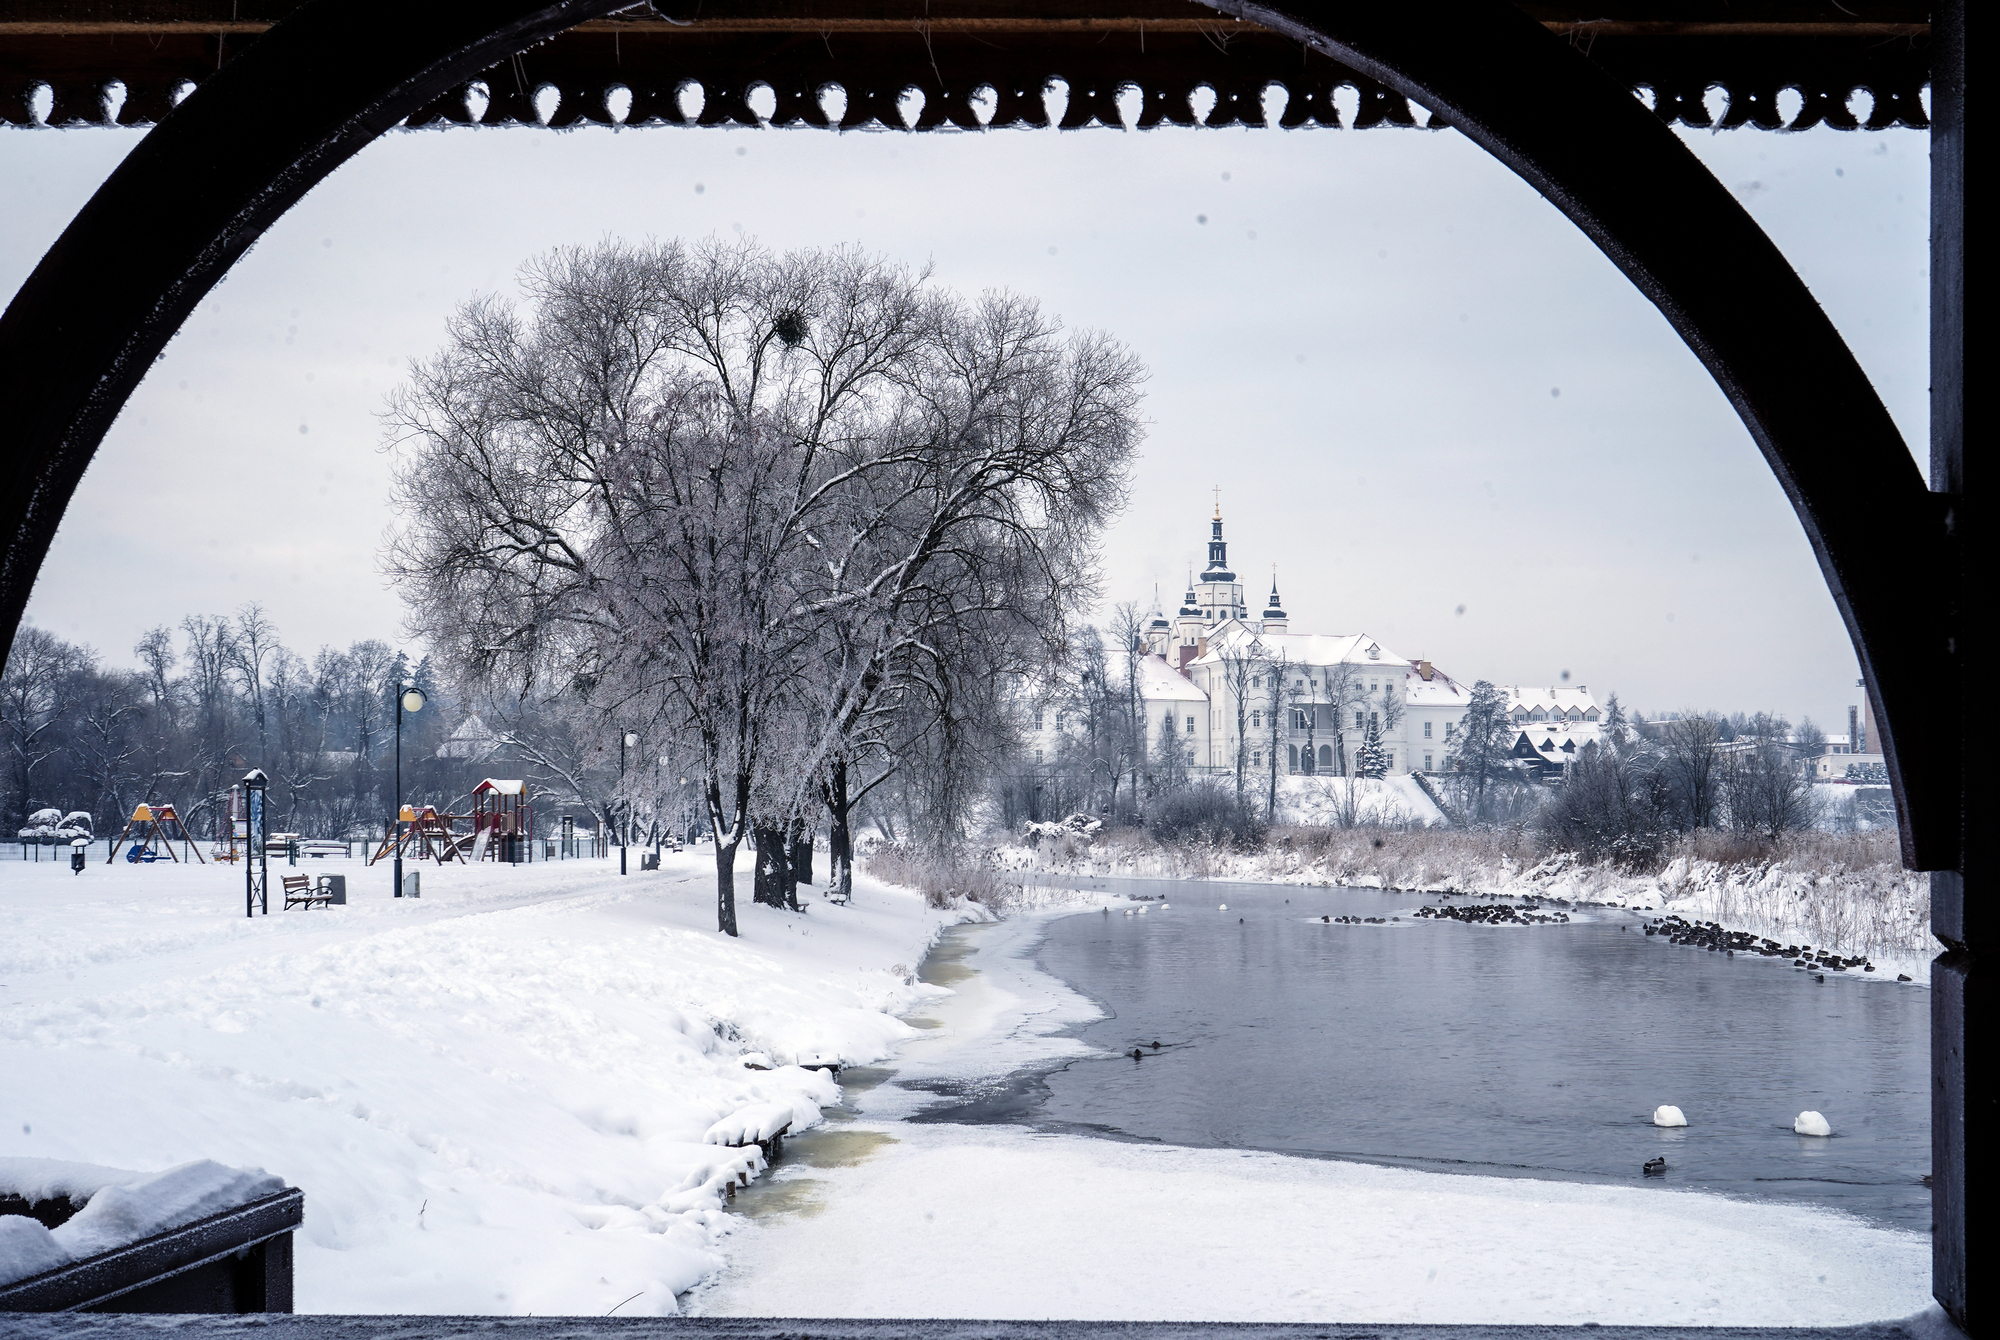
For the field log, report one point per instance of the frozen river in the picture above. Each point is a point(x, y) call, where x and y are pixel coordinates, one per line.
point(1535, 1051)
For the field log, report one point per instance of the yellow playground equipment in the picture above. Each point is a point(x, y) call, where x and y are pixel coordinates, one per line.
point(423, 832)
point(154, 829)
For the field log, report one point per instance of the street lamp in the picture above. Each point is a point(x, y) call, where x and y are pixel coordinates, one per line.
point(409, 698)
point(626, 741)
point(256, 867)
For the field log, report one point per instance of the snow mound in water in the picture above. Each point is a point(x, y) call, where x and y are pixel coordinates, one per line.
point(1811, 1123)
point(1666, 1114)
point(761, 1121)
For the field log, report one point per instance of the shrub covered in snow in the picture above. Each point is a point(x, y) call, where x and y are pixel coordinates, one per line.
point(53, 826)
point(1077, 827)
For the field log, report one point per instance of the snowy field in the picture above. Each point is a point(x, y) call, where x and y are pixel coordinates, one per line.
point(495, 1097)
point(877, 1217)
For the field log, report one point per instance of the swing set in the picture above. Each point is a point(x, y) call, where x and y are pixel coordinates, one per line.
point(154, 829)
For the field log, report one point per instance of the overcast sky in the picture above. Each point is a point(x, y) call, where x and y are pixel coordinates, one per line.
point(1434, 406)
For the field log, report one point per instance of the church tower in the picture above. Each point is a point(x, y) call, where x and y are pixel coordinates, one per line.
point(1274, 614)
point(1159, 633)
point(1189, 627)
point(1220, 596)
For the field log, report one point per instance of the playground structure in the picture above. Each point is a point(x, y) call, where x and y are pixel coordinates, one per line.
point(500, 811)
point(420, 832)
point(155, 828)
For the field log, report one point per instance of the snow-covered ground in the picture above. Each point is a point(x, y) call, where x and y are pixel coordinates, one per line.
point(495, 1096)
point(877, 1217)
point(496, 1099)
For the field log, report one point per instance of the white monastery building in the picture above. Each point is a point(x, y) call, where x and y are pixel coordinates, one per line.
point(1214, 676)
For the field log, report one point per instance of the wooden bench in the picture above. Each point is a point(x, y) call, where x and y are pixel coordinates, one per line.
point(299, 892)
point(837, 898)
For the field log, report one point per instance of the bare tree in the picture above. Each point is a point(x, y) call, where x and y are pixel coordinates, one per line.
point(36, 690)
point(751, 497)
point(1480, 746)
point(1239, 658)
point(1686, 756)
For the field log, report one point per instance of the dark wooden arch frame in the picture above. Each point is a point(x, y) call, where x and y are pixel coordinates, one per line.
point(218, 170)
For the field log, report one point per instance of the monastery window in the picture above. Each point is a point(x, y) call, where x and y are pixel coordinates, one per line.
point(1538, 715)
point(1190, 726)
point(1427, 730)
point(1256, 719)
point(1298, 719)
point(1427, 762)
point(1038, 720)
point(1447, 729)
point(1256, 758)
point(1059, 721)
point(1292, 757)
point(1359, 721)
point(1591, 715)
point(1256, 681)
point(1325, 756)
point(1038, 756)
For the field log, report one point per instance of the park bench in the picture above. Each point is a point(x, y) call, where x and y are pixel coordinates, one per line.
point(836, 897)
point(299, 892)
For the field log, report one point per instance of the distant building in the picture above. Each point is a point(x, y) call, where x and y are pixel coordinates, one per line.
point(472, 740)
point(1213, 676)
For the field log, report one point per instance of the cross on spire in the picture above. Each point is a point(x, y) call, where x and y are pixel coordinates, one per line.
point(1218, 502)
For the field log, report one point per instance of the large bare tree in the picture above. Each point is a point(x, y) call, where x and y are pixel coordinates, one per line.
point(752, 497)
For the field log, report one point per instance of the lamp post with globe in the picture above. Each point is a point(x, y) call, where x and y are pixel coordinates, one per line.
point(626, 741)
point(409, 698)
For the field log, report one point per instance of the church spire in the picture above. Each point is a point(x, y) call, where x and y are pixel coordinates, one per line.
point(1274, 613)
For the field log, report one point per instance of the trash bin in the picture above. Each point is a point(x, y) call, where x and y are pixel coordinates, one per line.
point(335, 885)
point(79, 855)
point(512, 847)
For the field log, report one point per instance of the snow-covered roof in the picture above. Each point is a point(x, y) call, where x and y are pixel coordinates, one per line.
point(1440, 690)
point(501, 787)
point(1532, 695)
point(1302, 649)
point(1160, 682)
point(1524, 700)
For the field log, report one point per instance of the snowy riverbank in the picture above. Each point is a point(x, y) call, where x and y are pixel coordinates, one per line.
point(880, 1217)
point(1843, 893)
point(495, 1097)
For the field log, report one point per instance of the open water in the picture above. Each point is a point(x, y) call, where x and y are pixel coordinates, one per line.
point(1535, 1051)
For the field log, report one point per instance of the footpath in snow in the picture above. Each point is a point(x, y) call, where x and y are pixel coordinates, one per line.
point(880, 1217)
point(496, 1097)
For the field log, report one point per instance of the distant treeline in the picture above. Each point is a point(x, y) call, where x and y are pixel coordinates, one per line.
point(211, 700)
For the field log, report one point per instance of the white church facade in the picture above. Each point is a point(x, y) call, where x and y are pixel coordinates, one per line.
point(1216, 681)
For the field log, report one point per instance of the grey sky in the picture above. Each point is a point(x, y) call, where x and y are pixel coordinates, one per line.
point(1360, 344)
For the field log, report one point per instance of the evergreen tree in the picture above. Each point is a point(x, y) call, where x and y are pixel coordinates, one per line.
point(1372, 759)
point(1616, 728)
